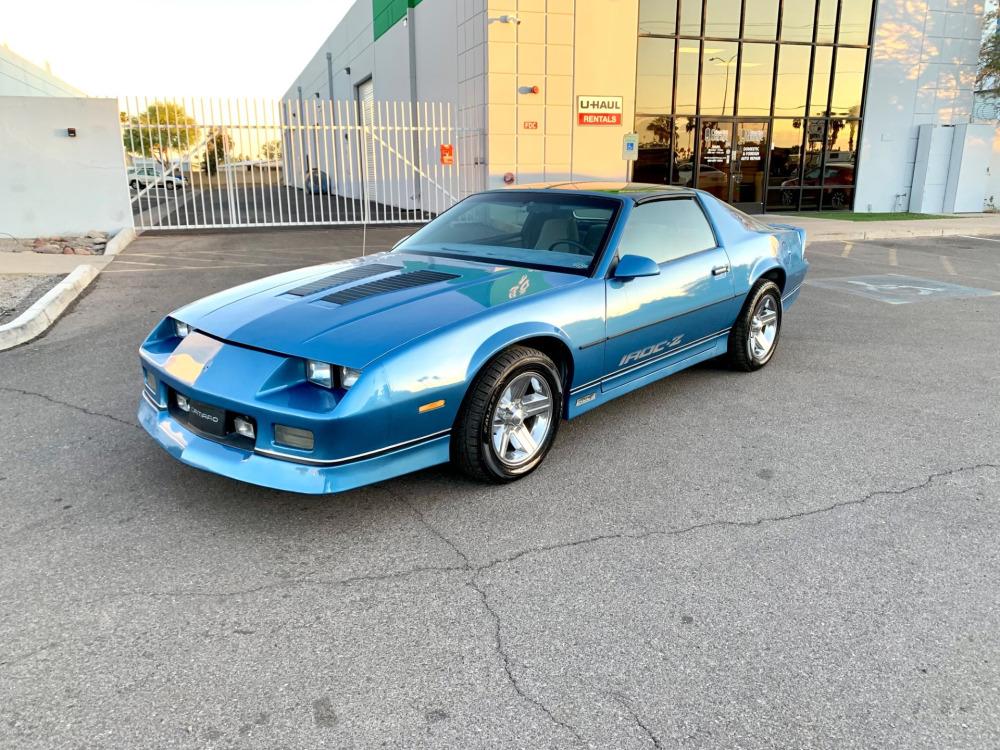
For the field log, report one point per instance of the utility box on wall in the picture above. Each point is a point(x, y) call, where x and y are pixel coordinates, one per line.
point(971, 150)
point(951, 170)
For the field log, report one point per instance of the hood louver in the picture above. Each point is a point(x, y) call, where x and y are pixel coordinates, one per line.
point(390, 284)
point(351, 274)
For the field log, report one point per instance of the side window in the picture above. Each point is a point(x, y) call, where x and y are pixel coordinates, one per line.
point(666, 230)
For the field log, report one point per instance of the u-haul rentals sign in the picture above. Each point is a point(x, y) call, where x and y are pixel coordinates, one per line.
point(599, 110)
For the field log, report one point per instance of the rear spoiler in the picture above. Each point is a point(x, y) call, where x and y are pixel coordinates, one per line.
point(790, 228)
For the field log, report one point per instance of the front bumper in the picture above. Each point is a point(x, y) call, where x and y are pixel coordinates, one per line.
point(280, 474)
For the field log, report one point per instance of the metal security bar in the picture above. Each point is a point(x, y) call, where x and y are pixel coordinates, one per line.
point(197, 163)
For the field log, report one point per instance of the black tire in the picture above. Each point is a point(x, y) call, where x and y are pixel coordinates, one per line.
point(472, 449)
point(740, 355)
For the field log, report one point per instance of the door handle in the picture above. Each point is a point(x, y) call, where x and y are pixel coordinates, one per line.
point(720, 270)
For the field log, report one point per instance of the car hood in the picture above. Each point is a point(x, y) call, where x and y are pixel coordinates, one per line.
point(371, 305)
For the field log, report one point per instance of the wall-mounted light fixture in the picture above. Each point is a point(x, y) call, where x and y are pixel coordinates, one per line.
point(510, 19)
point(71, 132)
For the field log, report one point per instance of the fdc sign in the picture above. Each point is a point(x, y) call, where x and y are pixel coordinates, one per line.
point(599, 110)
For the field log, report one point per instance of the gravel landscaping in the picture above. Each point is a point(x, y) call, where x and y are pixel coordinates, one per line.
point(91, 243)
point(19, 291)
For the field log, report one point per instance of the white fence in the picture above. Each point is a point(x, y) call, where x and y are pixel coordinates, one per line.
point(215, 163)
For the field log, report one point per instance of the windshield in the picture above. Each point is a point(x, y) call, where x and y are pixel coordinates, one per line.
point(538, 230)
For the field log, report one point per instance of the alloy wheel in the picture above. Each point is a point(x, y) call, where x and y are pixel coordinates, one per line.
point(522, 419)
point(763, 328)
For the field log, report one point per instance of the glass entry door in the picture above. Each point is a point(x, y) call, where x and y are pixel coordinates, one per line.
point(732, 161)
point(749, 179)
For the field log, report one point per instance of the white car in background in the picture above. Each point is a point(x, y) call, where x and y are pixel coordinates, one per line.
point(140, 177)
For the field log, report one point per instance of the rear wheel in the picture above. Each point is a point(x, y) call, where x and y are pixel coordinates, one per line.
point(510, 417)
point(755, 336)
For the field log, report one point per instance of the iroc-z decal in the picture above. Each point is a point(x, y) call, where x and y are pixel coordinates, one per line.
point(640, 354)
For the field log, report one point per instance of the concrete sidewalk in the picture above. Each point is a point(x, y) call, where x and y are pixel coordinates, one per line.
point(49, 265)
point(819, 230)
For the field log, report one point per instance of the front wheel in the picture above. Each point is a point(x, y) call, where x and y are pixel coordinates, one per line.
point(754, 338)
point(510, 416)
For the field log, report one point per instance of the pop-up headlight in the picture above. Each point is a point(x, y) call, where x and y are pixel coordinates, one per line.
point(319, 373)
point(181, 329)
point(349, 376)
point(322, 374)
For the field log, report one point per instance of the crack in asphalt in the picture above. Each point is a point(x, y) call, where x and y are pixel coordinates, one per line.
point(505, 662)
point(726, 523)
point(498, 644)
point(638, 720)
point(468, 567)
point(67, 404)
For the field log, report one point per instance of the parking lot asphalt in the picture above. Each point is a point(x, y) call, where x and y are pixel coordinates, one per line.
point(801, 557)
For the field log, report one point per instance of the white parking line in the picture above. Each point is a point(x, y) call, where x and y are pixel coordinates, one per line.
point(970, 237)
point(948, 266)
point(198, 268)
point(848, 246)
point(893, 260)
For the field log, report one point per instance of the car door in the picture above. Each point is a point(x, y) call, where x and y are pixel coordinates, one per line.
point(654, 321)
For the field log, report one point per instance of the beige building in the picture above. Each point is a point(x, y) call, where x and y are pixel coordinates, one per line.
point(768, 104)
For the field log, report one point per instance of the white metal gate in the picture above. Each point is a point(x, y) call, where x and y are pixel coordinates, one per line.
point(215, 163)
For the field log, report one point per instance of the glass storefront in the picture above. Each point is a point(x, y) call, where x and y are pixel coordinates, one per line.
point(758, 102)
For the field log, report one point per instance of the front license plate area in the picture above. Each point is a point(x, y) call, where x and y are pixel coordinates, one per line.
point(207, 418)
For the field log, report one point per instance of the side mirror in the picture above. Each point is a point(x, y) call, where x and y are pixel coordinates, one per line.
point(632, 266)
point(401, 240)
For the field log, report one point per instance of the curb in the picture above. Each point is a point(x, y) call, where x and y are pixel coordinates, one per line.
point(120, 241)
point(40, 316)
point(816, 232)
point(890, 234)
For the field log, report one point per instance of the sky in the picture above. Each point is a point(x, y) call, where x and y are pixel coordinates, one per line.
point(172, 47)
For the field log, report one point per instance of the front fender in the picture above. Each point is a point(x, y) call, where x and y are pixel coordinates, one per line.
point(426, 384)
point(514, 335)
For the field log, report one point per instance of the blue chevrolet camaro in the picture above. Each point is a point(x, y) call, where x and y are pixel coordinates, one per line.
point(470, 340)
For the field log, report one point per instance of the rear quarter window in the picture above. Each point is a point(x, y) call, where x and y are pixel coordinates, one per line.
point(666, 230)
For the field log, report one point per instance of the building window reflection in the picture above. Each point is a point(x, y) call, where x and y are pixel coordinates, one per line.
point(855, 22)
point(687, 77)
point(756, 79)
point(797, 20)
point(792, 84)
point(658, 18)
point(759, 102)
point(826, 21)
point(820, 93)
point(848, 83)
point(760, 20)
point(718, 78)
point(722, 19)
point(655, 75)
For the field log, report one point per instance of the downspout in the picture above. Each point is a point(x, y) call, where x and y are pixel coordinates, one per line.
point(329, 73)
point(414, 110)
point(302, 147)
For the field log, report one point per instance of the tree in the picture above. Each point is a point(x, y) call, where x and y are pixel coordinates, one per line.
point(162, 128)
point(217, 146)
point(988, 76)
point(271, 151)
